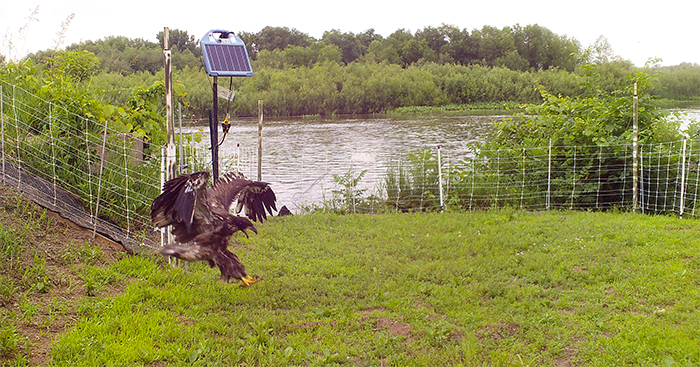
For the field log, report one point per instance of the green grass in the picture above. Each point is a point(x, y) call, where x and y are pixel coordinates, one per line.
point(468, 108)
point(502, 288)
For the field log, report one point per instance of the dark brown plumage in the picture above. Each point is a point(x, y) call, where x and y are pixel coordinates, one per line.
point(202, 218)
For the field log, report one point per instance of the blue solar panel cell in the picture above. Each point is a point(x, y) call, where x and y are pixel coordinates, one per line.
point(228, 58)
point(226, 55)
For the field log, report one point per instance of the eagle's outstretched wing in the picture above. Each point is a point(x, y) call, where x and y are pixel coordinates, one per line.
point(257, 197)
point(183, 205)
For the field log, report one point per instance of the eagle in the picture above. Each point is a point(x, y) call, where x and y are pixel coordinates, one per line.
point(201, 218)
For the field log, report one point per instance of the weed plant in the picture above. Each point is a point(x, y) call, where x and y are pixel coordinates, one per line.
point(478, 107)
point(495, 288)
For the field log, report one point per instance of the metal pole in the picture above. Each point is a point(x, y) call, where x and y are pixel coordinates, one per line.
point(641, 178)
point(89, 170)
point(163, 239)
point(214, 131)
point(126, 185)
point(2, 131)
point(685, 141)
point(549, 175)
point(635, 149)
point(169, 117)
point(99, 183)
point(238, 157)
point(522, 187)
point(573, 182)
point(17, 138)
point(260, 138)
point(439, 162)
point(181, 159)
point(53, 154)
point(214, 137)
point(600, 169)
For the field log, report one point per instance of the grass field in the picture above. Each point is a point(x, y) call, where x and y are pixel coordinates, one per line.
point(499, 288)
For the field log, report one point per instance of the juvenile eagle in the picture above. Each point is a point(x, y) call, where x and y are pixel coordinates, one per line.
point(202, 218)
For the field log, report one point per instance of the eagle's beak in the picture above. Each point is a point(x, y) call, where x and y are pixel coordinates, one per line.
point(252, 229)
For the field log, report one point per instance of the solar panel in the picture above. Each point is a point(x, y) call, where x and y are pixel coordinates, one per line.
point(225, 54)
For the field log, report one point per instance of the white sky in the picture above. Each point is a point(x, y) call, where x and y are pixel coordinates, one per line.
point(636, 30)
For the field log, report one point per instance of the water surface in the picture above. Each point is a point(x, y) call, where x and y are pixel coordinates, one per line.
point(301, 155)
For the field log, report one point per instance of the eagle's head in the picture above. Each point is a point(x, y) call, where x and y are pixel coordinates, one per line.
point(199, 179)
point(243, 224)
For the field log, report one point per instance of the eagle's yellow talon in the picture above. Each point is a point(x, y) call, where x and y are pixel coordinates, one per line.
point(248, 281)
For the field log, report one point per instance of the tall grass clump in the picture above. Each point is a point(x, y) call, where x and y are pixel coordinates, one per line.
point(412, 185)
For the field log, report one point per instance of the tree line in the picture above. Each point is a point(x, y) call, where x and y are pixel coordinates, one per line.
point(516, 47)
point(346, 73)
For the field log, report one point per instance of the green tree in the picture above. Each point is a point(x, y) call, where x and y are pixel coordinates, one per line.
point(599, 53)
point(296, 56)
point(678, 82)
point(80, 66)
point(368, 37)
point(512, 60)
point(348, 43)
point(274, 38)
point(606, 77)
point(543, 49)
point(248, 39)
point(460, 47)
point(414, 50)
point(397, 41)
point(179, 40)
point(384, 51)
point(124, 55)
point(493, 43)
point(435, 38)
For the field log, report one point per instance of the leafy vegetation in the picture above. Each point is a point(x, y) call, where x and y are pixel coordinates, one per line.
point(587, 133)
point(346, 73)
point(678, 82)
point(55, 116)
point(347, 198)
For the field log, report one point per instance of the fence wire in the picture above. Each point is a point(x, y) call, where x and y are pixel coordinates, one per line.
point(106, 179)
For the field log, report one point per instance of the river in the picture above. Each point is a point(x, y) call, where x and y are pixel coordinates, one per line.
point(301, 155)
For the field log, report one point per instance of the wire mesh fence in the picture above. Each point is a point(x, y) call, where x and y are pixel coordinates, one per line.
point(109, 178)
point(577, 177)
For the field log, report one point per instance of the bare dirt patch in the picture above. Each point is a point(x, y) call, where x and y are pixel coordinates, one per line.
point(396, 328)
point(394, 325)
point(497, 331)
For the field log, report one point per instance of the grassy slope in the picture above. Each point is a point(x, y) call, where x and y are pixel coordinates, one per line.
point(494, 288)
point(47, 267)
